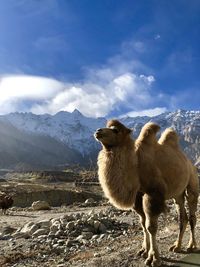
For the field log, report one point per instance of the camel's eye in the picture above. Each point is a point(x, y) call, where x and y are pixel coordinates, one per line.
point(114, 129)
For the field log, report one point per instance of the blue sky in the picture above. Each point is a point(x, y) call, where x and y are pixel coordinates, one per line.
point(103, 57)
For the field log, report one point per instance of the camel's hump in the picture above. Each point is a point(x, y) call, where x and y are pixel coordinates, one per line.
point(169, 137)
point(149, 130)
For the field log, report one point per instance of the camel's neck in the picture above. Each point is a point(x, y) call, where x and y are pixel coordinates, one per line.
point(118, 174)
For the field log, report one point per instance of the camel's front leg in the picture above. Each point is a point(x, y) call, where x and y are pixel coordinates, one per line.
point(145, 245)
point(138, 206)
point(152, 206)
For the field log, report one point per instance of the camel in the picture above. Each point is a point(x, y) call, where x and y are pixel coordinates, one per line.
point(141, 174)
point(6, 202)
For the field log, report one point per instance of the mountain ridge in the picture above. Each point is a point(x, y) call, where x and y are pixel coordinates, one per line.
point(74, 131)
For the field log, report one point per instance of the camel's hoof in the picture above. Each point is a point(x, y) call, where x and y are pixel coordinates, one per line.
point(175, 248)
point(153, 262)
point(191, 249)
point(148, 261)
point(143, 253)
point(156, 262)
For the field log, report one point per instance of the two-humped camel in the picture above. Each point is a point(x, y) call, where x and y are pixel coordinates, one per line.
point(142, 174)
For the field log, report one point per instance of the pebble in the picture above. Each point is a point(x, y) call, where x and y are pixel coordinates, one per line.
point(70, 226)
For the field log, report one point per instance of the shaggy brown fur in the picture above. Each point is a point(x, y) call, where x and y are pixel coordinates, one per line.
point(6, 202)
point(118, 165)
point(143, 174)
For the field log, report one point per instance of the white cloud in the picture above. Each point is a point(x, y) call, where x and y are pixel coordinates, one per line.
point(27, 87)
point(98, 99)
point(157, 36)
point(15, 91)
point(147, 112)
point(122, 82)
point(93, 97)
point(148, 79)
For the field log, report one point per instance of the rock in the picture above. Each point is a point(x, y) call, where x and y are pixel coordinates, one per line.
point(89, 201)
point(58, 233)
point(21, 235)
point(42, 237)
point(87, 228)
point(74, 233)
point(94, 237)
point(100, 215)
point(5, 237)
point(87, 235)
point(44, 224)
point(102, 236)
point(55, 221)
point(61, 242)
point(79, 238)
point(40, 232)
point(84, 218)
point(70, 226)
point(90, 221)
point(91, 212)
point(102, 228)
point(29, 228)
point(70, 243)
point(80, 229)
point(40, 205)
point(67, 217)
point(51, 234)
point(7, 230)
point(79, 222)
point(77, 216)
point(55, 246)
point(54, 228)
point(96, 225)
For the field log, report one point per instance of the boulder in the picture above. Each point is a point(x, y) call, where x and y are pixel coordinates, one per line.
point(29, 228)
point(40, 232)
point(40, 205)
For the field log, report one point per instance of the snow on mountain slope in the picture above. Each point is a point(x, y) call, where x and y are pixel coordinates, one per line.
point(76, 130)
point(72, 129)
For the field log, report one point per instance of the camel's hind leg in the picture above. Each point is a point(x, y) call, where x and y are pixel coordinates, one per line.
point(192, 198)
point(183, 220)
point(153, 205)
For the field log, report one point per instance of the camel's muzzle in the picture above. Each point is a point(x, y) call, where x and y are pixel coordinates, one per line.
point(98, 134)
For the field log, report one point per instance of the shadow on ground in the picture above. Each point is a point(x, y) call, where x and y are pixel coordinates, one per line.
point(191, 260)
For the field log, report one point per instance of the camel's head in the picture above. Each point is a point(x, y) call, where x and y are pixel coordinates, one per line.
point(115, 134)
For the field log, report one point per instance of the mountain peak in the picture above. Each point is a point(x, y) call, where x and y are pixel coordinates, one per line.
point(77, 112)
point(76, 130)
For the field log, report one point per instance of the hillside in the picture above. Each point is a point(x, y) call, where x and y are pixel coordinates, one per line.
point(46, 141)
point(22, 150)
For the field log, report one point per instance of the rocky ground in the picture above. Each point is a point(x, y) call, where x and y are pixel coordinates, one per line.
point(84, 234)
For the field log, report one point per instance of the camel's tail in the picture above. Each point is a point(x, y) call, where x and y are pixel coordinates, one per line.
point(148, 133)
point(169, 137)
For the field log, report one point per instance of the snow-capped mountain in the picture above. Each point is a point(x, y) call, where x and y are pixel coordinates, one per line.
point(72, 129)
point(75, 131)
